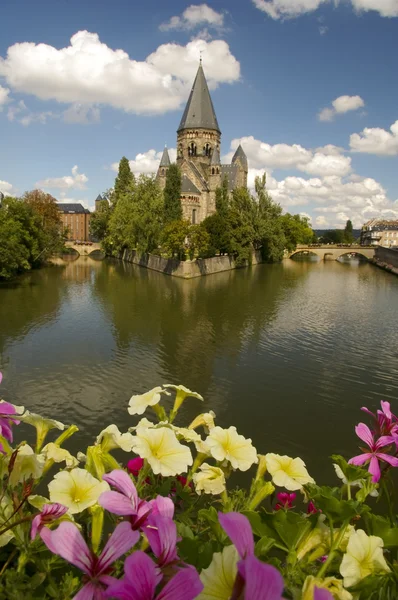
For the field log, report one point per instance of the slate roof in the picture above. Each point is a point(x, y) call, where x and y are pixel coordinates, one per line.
point(199, 111)
point(231, 172)
point(187, 187)
point(200, 173)
point(67, 207)
point(165, 160)
point(240, 153)
point(215, 159)
point(99, 198)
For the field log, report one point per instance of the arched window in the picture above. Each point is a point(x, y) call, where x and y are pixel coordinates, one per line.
point(213, 171)
point(218, 171)
point(193, 216)
point(162, 171)
point(207, 150)
point(192, 149)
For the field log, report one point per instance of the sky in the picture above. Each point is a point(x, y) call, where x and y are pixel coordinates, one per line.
point(308, 87)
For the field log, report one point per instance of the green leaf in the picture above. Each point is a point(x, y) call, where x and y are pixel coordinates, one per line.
point(184, 531)
point(259, 527)
point(328, 501)
point(263, 546)
point(290, 526)
point(351, 472)
point(380, 526)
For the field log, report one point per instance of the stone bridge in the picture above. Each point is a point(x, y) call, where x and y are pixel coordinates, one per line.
point(333, 252)
point(84, 248)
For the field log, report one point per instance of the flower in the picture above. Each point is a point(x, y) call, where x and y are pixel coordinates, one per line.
point(77, 489)
point(135, 465)
point(363, 557)
point(205, 420)
point(285, 500)
point(141, 577)
point(7, 511)
point(42, 426)
point(356, 483)
point(111, 438)
point(227, 444)
point(49, 513)
point(262, 466)
point(219, 578)
point(374, 456)
point(53, 452)
point(161, 532)
point(124, 502)
point(188, 435)
point(385, 420)
point(329, 588)
point(287, 472)
point(139, 403)
point(7, 420)
point(27, 465)
point(182, 393)
point(211, 480)
point(67, 542)
point(163, 451)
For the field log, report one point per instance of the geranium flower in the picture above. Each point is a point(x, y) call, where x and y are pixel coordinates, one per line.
point(163, 451)
point(210, 480)
point(285, 500)
point(254, 579)
point(139, 403)
point(287, 472)
point(111, 438)
point(135, 465)
point(125, 502)
point(77, 489)
point(374, 456)
point(141, 578)
point(227, 444)
point(67, 542)
point(48, 514)
point(386, 422)
point(42, 425)
point(7, 420)
point(53, 452)
point(161, 533)
point(363, 557)
point(27, 465)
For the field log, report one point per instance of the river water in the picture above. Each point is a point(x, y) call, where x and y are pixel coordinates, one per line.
point(288, 352)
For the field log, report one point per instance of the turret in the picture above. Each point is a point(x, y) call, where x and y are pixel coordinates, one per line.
point(163, 167)
point(240, 160)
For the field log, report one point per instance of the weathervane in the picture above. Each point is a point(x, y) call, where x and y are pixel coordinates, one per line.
point(200, 56)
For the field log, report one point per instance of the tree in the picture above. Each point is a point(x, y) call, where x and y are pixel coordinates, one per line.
point(172, 195)
point(222, 199)
point(333, 236)
point(173, 238)
point(198, 241)
point(269, 234)
point(124, 182)
point(297, 230)
point(45, 207)
point(217, 228)
point(348, 233)
point(99, 220)
point(241, 224)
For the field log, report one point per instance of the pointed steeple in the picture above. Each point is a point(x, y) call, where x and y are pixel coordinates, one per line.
point(240, 154)
point(199, 111)
point(215, 159)
point(165, 160)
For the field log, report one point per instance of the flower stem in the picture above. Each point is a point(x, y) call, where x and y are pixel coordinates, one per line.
point(332, 552)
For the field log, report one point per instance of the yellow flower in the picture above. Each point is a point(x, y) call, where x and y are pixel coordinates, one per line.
point(333, 585)
point(364, 556)
point(182, 393)
point(205, 420)
point(262, 466)
point(162, 450)
point(227, 444)
point(53, 452)
point(111, 438)
point(186, 434)
point(27, 465)
point(42, 426)
point(287, 472)
point(219, 578)
point(211, 480)
point(139, 403)
point(76, 489)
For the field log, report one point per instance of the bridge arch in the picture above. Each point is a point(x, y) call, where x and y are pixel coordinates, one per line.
point(333, 252)
point(85, 249)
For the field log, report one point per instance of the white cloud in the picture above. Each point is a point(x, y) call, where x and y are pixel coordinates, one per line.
point(4, 97)
point(321, 222)
point(7, 188)
point(21, 113)
point(341, 105)
point(279, 9)
point(147, 162)
point(376, 141)
point(81, 114)
point(75, 181)
point(196, 15)
point(89, 72)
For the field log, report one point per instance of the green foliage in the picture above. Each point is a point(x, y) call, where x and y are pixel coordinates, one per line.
point(216, 227)
point(222, 199)
point(99, 220)
point(241, 225)
point(172, 195)
point(297, 230)
point(198, 241)
point(124, 182)
point(333, 236)
point(173, 239)
point(270, 235)
point(348, 233)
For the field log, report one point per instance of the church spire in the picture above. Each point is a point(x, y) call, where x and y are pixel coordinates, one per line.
point(199, 112)
point(165, 160)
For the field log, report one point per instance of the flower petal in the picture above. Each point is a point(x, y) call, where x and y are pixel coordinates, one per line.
point(117, 504)
point(68, 542)
point(364, 433)
point(140, 581)
point(162, 537)
point(262, 580)
point(88, 592)
point(185, 585)
point(122, 482)
point(391, 460)
point(361, 459)
point(374, 469)
point(162, 506)
point(383, 441)
point(239, 531)
point(122, 539)
point(322, 594)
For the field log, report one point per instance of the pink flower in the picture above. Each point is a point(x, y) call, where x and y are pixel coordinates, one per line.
point(386, 422)
point(374, 456)
point(285, 500)
point(141, 577)
point(311, 508)
point(322, 594)
point(255, 578)
point(6, 421)
point(49, 513)
point(161, 533)
point(135, 465)
point(67, 542)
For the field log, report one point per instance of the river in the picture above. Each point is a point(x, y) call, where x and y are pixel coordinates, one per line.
point(288, 352)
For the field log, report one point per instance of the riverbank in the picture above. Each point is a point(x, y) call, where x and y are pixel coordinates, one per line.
point(187, 269)
point(386, 259)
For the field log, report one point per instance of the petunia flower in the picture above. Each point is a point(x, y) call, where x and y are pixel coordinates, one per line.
point(27, 465)
point(182, 393)
point(7, 420)
point(209, 479)
point(48, 514)
point(329, 588)
point(42, 425)
point(374, 456)
point(285, 500)
point(254, 579)
point(77, 489)
point(139, 403)
point(287, 472)
point(163, 451)
point(141, 578)
point(205, 420)
point(227, 444)
point(219, 578)
point(53, 452)
point(125, 502)
point(111, 438)
point(364, 556)
point(67, 542)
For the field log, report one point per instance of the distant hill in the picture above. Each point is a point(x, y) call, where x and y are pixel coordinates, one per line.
point(319, 232)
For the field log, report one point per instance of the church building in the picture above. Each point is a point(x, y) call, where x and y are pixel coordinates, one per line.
point(198, 156)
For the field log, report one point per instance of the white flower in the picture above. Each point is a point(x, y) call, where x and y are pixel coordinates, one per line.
point(363, 557)
point(27, 465)
point(111, 438)
point(357, 483)
point(219, 578)
point(163, 451)
point(333, 585)
point(42, 425)
point(211, 480)
point(76, 489)
point(182, 393)
point(53, 452)
point(202, 447)
point(205, 420)
point(227, 444)
point(81, 457)
point(287, 472)
point(189, 435)
point(139, 403)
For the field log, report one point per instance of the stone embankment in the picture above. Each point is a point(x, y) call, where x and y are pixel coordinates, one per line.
point(387, 259)
point(186, 269)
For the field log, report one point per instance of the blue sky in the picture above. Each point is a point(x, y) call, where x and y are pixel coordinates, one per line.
point(309, 88)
